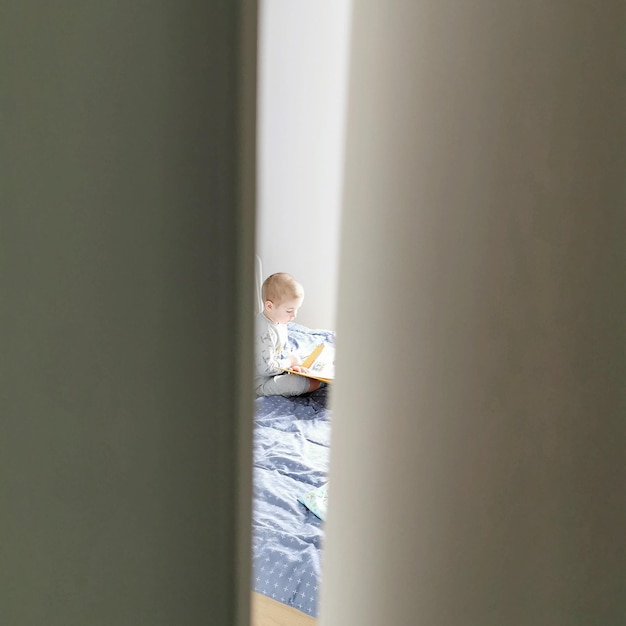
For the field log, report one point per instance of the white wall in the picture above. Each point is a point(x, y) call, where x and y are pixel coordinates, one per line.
point(477, 477)
point(302, 82)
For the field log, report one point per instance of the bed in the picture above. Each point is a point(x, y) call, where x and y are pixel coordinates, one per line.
point(290, 461)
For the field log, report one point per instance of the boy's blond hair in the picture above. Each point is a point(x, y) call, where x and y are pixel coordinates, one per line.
point(281, 287)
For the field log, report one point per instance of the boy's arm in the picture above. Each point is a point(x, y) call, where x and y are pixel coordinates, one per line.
point(266, 353)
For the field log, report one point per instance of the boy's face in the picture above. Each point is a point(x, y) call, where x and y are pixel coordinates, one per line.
point(283, 313)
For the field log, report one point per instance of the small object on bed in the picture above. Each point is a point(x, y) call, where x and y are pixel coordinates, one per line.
point(316, 500)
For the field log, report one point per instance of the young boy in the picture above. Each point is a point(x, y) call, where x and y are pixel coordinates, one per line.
point(282, 297)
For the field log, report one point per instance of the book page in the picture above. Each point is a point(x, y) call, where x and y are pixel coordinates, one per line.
point(324, 364)
point(320, 363)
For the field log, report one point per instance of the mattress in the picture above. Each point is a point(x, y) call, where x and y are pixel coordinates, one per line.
point(291, 452)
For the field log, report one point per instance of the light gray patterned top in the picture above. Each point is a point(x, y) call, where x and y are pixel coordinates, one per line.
point(271, 349)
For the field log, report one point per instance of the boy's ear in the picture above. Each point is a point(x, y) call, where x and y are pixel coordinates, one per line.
point(269, 304)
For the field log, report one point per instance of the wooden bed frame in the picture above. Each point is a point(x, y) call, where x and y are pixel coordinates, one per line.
point(268, 612)
point(258, 284)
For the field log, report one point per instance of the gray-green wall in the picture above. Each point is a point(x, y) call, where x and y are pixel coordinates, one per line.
point(123, 247)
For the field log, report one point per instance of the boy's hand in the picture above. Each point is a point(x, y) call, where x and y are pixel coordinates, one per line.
point(294, 361)
point(299, 368)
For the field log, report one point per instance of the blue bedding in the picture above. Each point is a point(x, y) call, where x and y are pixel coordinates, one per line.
point(291, 447)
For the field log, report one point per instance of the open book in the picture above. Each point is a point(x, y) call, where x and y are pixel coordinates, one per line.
point(320, 364)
